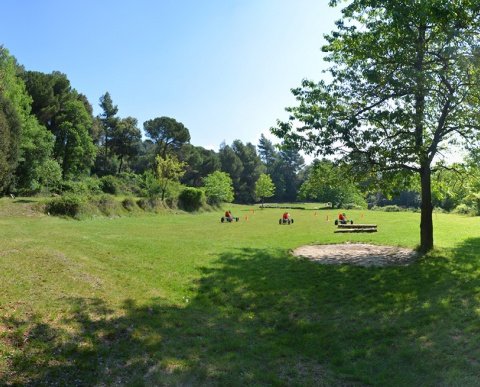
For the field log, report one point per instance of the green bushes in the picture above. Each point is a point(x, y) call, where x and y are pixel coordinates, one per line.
point(87, 186)
point(67, 205)
point(107, 205)
point(109, 184)
point(463, 209)
point(151, 204)
point(191, 199)
point(129, 204)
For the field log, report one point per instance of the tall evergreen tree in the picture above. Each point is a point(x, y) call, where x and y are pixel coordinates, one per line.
point(232, 165)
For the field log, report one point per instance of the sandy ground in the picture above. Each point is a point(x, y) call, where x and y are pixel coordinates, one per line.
point(359, 254)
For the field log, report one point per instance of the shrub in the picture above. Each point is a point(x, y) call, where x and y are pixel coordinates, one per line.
point(463, 209)
point(150, 204)
point(66, 205)
point(109, 184)
point(191, 199)
point(129, 204)
point(89, 185)
point(353, 206)
point(107, 205)
point(130, 183)
point(392, 208)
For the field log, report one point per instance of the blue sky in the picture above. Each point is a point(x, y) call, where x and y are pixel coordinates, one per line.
point(224, 68)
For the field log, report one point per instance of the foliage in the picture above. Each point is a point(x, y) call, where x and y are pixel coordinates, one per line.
point(68, 116)
point(67, 205)
point(107, 204)
point(10, 128)
point(35, 141)
point(244, 166)
point(168, 170)
point(463, 209)
point(150, 185)
point(126, 139)
point(167, 133)
point(201, 162)
point(404, 87)
point(73, 145)
point(86, 186)
point(50, 174)
point(284, 167)
point(328, 182)
point(129, 204)
point(109, 184)
point(473, 202)
point(264, 187)
point(191, 199)
point(218, 188)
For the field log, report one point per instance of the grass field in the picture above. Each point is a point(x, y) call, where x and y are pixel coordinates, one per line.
point(179, 299)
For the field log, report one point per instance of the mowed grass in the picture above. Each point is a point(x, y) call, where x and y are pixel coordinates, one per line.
point(180, 299)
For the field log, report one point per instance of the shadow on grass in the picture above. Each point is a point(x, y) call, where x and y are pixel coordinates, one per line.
point(263, 317)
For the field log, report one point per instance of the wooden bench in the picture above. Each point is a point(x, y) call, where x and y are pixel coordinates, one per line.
point(343, 228)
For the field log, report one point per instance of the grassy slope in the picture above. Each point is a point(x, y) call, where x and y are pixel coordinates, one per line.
point(184, 299)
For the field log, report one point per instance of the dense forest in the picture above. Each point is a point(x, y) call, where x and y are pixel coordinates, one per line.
point(51, 144)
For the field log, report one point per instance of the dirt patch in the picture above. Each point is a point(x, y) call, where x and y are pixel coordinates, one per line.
point(358, 254)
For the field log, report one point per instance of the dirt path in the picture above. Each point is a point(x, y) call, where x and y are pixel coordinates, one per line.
point(359, 254)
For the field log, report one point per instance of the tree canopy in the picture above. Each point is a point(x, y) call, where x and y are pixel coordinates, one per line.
point(264, 187)
point(218, 188)
point(167, 133)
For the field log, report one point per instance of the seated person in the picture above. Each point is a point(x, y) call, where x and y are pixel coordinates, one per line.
point(228, 215)
point(286, 216)
point(342, 218)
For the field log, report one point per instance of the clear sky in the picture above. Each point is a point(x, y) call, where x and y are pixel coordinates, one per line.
point(224, 68)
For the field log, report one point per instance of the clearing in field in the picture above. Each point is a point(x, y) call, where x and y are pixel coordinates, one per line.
point(359, 254)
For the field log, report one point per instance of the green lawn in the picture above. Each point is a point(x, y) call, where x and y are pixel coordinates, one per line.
point(178, 299)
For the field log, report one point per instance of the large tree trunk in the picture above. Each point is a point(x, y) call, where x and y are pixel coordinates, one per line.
point(426, 220)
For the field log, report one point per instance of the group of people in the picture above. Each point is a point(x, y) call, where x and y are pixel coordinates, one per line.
point(286, 217)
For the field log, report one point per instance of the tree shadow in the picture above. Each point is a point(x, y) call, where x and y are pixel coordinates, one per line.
point(25, 201)
point(263, 317)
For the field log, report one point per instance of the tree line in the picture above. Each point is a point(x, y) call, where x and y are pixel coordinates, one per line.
point(50, 137)
point(50, 142)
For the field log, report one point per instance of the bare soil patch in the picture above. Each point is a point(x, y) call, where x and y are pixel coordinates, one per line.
point(359, 254)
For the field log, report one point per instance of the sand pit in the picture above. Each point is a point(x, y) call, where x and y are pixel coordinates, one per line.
point(358, 254)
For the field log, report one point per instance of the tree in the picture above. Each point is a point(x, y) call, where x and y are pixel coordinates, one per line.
point(289, 164)
point(74, 149)
point(10, 127)
point(252, 167)
point(231, 164)
point(264, 188)
point(330, 183)
point(169, 170)
point(167, 133)
point(267, 152)
point(200, 163)
point(50, 174)
point(218, 188)
point(405, 86)
point(67, 115)
point(106, 163)
point(35, 141)
point(126, 139)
